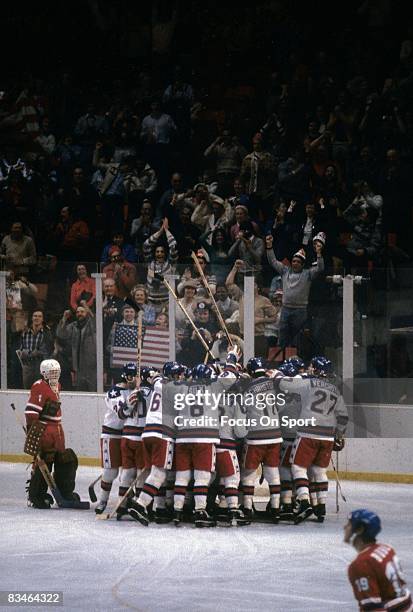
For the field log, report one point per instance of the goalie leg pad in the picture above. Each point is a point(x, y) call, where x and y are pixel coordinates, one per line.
point(65, 468)
point(37, 490)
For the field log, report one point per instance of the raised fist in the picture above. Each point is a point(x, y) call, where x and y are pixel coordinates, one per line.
point(269, 241)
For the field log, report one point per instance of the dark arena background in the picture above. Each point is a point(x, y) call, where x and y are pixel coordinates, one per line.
point(211, 193)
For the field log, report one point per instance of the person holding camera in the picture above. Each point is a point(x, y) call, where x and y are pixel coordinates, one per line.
point(248, 247)
point(83, 289)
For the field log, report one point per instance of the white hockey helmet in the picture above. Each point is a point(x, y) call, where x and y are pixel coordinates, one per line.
point(50, 369)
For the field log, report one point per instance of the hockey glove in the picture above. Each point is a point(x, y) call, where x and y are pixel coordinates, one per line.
point(339, 443)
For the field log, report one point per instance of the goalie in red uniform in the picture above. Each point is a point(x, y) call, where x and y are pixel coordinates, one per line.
point(375, 574)
point(45, 438)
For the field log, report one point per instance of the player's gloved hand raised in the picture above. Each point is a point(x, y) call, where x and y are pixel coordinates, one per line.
point(339, 443)
point(234, 354)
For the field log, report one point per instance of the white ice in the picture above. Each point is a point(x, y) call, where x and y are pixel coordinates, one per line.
point(109, 565)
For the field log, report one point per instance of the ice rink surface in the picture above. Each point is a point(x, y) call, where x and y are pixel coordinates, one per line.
point(109, 565)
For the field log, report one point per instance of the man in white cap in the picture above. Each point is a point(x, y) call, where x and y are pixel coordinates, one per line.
point(296, 282)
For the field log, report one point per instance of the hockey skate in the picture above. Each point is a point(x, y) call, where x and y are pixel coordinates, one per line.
point(138, 513)
point(178, 517)
point(302, 511)
point(203, 519)
point(123, 510)
point(163, 516)
point(248, 513)
point(320, 512)
point(101, 507)
point(237, 518)
point(286, 512)
point(274, 514)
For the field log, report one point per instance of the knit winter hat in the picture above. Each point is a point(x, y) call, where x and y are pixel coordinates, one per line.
point(321, 237)
point(300, 254)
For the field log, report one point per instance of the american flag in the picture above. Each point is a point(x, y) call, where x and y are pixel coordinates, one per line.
point(125, 344)
point(155, 346)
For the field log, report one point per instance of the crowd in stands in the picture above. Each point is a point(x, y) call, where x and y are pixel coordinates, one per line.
point(313, 146)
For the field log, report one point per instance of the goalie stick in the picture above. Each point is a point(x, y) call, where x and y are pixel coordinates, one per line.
point(60, 500)
point(109, 515)
point(91, 489)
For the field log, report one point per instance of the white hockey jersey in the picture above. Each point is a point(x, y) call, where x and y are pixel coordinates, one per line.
point(261, 410)
point(113, 421)
point(323, 411)
point(289, 413)
point(133, 426)
point(159, 416)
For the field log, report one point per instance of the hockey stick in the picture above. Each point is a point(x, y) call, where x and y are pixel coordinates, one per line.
point(338, 485)
point(19, 419)
point(337, 503)
point(109, 515)
point(139, 346)
point(215, 305)
point(91, 489)
point(60, 500)
point(182, 307)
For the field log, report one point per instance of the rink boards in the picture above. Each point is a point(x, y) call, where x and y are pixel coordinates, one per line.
point(381, 449)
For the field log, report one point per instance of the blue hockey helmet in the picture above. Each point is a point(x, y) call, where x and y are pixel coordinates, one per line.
point(367, 519)
point(146, 374)
point(172, 369)
point(202, 371)
point(321, 365)
point(288, 369)
point(256, 367)
point(129, 370)
point(297, 362)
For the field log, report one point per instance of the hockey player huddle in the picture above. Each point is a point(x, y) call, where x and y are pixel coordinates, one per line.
point(198, 461)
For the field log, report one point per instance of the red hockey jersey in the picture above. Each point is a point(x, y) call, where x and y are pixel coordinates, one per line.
point(40, 393)
point(377, 580)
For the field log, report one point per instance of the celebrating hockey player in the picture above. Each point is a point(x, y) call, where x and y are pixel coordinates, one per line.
point(324, 417)
point(158, 445)
point(263, 442)
point(120, 403)
point(45, 438)
point(291, 409)
point(227, 465)
point(131, 446)
point(375, 574)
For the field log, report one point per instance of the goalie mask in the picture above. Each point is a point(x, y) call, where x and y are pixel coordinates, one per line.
point(50, 370)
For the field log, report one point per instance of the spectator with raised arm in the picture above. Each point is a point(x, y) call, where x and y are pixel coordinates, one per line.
point(161, 253)
point(296, 282)
point(248, 247)
point(142, 227)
